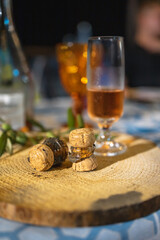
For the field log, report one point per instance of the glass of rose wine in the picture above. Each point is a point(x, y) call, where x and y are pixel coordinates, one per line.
point(105, 89)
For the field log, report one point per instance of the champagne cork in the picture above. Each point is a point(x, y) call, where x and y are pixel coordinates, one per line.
point(59, 148)
point(41, 157)
point(85, 165)
point(52, 151)
point(82, 137)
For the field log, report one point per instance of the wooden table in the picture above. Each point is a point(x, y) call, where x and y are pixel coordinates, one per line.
point(133, 122)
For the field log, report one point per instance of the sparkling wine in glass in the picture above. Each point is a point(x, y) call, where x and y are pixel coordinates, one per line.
point(105, 89)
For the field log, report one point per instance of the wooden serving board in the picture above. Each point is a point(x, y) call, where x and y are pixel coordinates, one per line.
point(120, 189)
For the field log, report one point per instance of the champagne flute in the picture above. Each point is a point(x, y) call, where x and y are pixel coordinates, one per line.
point(105, 89)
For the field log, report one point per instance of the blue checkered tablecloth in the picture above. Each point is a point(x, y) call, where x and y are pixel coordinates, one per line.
point(140, 119)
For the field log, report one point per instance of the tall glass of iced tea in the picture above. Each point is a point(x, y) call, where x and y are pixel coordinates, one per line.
point(105, 89)
point(72, 61)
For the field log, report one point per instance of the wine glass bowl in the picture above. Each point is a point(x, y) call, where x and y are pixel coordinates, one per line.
point(105, 89)
point(72, 60)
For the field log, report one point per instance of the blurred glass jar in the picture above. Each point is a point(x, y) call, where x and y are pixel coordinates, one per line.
point(16, 84)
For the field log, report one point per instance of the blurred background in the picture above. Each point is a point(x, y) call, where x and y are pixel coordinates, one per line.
point(42, 24)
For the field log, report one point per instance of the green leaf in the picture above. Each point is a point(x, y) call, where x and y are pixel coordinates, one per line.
point(70, 119)
point(21, 134)
point(80, 121)
point(12, 135)
point(6, 126)
point(21, 138)
point(96, 135)
point(3, 141)
point(37, 124)
point(50, 134)
point(9, 146)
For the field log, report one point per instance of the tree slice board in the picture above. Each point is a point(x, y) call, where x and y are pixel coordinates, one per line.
point(122, 188)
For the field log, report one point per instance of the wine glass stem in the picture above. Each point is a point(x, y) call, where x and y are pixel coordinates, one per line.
point(78, 103)
point(104, 135)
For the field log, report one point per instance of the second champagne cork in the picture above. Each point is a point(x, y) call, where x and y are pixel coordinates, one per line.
point(82, 137)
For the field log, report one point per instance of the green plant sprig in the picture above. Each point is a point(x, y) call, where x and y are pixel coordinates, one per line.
point(74, 121)
point(10, 136)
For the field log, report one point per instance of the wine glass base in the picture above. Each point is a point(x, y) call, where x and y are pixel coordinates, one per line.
point(109, 148)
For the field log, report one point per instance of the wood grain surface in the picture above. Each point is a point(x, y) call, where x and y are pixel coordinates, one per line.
point(120, 189)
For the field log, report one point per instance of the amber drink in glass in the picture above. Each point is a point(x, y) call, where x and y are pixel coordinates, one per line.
point(72, 60)
point(105, 89)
